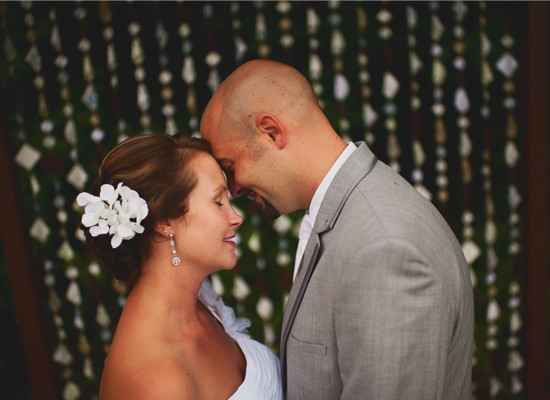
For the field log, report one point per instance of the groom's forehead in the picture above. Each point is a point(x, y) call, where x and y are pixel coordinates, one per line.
point(223, 151)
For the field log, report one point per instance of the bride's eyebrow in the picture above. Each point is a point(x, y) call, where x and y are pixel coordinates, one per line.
point(220, 188)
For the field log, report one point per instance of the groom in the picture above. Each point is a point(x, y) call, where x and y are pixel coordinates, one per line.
point(381, 306)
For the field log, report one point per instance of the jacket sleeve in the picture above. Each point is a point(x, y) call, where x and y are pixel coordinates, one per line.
point(393, 324)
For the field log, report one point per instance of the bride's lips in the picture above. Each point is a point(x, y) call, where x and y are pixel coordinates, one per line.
point(230, 240)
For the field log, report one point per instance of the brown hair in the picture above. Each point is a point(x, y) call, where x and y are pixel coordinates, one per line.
point(157, 167)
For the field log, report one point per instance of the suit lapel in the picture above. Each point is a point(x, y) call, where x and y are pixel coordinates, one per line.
point(308, 252)
point(360, 163)
point(298, 288)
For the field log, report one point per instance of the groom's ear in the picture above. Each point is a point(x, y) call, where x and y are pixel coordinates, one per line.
point(271, 127)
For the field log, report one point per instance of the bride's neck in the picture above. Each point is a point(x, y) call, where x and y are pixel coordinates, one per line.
point(167, 294)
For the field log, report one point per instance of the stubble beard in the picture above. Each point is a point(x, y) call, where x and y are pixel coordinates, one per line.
point(269, 210)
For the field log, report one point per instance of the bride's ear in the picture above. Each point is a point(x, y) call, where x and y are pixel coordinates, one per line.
point(163, 228)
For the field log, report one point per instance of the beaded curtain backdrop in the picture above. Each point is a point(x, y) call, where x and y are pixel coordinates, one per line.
point(431, 87)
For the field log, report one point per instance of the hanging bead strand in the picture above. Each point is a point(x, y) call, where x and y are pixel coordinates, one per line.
point(78, 176)
point(490, 236)
point(439, 75)
point(34, 60)
point(213, 58)
point(493, 310)
point(285, 24)
point(315, 66)
point(138, 57)
point(462, 104)
point(415, 65)
point(90, 97)
point(240, 45)
point(69, 130)
point(507, 65)
point(369, 115)
point(341, 85)
point(165, 76)
point(106, 16)
point(189, 74)
point(263, 48)
point(390, 88)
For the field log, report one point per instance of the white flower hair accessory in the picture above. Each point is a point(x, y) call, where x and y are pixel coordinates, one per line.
point(116, 212)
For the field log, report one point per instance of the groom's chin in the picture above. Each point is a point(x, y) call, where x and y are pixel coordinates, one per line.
point(269, 211)
point(271, 215)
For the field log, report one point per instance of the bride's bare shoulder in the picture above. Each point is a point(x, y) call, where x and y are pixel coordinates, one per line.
point(146, 378)
point(137, 368)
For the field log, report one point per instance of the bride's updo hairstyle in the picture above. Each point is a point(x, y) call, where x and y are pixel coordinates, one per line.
point(157, 168)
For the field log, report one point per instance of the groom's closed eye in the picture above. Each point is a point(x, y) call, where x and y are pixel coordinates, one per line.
point(229, 166)
point(225, 164)
point(228, 170)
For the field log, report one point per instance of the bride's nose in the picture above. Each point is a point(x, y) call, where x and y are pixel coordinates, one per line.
point(235, 219)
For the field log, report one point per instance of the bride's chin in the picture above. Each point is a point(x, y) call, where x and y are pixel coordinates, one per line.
point(230, 264)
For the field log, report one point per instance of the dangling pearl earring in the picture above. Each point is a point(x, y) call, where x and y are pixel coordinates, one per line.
point(175, 260)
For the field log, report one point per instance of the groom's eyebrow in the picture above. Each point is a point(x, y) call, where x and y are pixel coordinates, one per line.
point(223, 162)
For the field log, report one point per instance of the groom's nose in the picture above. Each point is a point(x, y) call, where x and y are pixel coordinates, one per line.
point(237, 190)
point(234, 188)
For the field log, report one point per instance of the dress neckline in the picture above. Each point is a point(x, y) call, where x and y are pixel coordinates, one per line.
point(234, 327)
point(247, 372)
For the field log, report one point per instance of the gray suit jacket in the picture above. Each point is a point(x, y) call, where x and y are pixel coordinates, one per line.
point(382, 306)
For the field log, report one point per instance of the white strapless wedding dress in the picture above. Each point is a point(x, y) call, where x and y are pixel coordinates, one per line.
point(263, 372)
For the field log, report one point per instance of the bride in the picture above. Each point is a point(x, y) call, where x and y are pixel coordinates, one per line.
point(159, 218)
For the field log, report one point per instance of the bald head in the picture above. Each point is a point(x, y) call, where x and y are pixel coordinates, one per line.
point(261, 86)
point(270, 136)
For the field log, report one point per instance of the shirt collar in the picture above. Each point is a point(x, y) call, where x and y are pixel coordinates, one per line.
point(327, 180)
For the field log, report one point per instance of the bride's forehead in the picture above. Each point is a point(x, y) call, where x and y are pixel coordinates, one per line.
point(209, 172)
point(203, 162)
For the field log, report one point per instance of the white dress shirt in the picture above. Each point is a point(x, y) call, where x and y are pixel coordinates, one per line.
point(309, 218)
